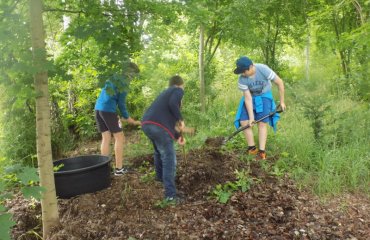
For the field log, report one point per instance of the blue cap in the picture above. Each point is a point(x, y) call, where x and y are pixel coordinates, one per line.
point(242, 64)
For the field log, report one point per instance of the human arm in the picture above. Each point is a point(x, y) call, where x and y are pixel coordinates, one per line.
point(174, 105)
point(280, 85)
point(249, 105)
point(123, 109)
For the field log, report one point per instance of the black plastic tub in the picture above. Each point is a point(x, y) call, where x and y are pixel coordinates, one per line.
point(82, 174)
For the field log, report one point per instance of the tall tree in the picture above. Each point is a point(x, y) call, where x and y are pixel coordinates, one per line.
point(264, 26)
point(208, 16)
point(343, 26)
point(201, 69)
point(43, 139)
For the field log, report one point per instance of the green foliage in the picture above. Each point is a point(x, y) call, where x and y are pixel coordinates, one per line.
point(223, 192)
point(165, 203)
point(58, 167)
point(243, 180)
point(13, 177)
point(148, 177)
point(6, 223)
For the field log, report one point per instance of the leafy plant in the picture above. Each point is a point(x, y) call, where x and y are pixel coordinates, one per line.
point(148, 177)
point(243, 180)
point(165, 203)
point(223, 192)
point(58, 167)
point(20, 177)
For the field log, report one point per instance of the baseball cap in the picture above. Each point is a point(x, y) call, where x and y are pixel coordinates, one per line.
point(242, 64)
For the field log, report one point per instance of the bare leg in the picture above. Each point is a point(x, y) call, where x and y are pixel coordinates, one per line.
point(118, 148)
point(248, 133)
point(105, 143)
point(262, 135)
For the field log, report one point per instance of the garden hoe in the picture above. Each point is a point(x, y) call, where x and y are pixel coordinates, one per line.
point(278, 109)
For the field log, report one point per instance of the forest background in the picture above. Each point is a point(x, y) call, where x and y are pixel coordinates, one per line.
point(320, 48)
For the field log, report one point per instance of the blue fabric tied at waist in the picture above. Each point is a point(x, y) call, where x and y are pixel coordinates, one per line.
point(257, 104)
point(258, 107)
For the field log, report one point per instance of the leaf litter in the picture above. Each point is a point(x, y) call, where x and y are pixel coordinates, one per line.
point(272, 208)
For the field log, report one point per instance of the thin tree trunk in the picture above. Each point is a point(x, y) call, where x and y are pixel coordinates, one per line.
point(308, 43)
point(201, 70)
point(43, 139)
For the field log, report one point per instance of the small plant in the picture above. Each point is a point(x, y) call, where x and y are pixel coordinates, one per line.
point(58, 167)
point(26, 179)
point(246, 158)
point(243, 180)
point(224, 192)
point(144, 167)
point(278, 172)
point(125, 193)
point(148, 177)
point(264, 165)
point(165, 203)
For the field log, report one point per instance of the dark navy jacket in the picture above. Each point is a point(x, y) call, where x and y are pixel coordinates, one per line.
point(165, 111)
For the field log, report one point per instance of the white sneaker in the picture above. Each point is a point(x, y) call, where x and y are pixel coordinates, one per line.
point(120, 171)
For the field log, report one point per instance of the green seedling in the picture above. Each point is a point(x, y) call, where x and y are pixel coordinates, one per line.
point(148, 177)
point(165, 203)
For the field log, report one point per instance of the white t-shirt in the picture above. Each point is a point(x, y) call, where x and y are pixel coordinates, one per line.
point(260, 83)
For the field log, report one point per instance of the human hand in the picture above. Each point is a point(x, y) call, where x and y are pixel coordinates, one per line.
point(133, 121)
point(180, 126)
point(252, 122)
point(181, 140)
point(282, 105)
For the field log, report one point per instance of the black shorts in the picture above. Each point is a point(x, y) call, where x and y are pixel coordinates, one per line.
point(108, 121)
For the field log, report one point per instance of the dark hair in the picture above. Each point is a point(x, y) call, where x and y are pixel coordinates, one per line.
point(176, 80)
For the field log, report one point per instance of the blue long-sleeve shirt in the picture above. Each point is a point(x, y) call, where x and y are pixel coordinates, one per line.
point(165, 110)
point(110, 98)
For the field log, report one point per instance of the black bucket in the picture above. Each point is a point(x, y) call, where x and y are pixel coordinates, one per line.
point(82, 174)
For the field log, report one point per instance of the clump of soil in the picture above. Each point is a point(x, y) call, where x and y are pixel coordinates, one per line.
point(215, 142)
point(273, 208)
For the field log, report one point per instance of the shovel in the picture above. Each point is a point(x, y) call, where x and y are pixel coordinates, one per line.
point(278, 109)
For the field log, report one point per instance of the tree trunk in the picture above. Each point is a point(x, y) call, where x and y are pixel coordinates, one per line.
point(308, 44)
point(43, 139)
point(201, 69)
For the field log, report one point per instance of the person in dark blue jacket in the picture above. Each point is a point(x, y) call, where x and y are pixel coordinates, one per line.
point(113, 96)
point(162, 124)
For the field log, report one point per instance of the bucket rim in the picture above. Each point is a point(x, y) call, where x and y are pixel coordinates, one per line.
point(85, 169)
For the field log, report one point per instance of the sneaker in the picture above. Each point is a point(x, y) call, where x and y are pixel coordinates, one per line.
point(261, 155)
point(120, 171)
point(252, 151)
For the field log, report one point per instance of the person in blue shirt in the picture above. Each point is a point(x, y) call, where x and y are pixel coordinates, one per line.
point(162, 124)
point(255, 83)
point(112, 96)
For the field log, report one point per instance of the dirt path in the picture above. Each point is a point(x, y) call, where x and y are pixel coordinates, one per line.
point(273, 208)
